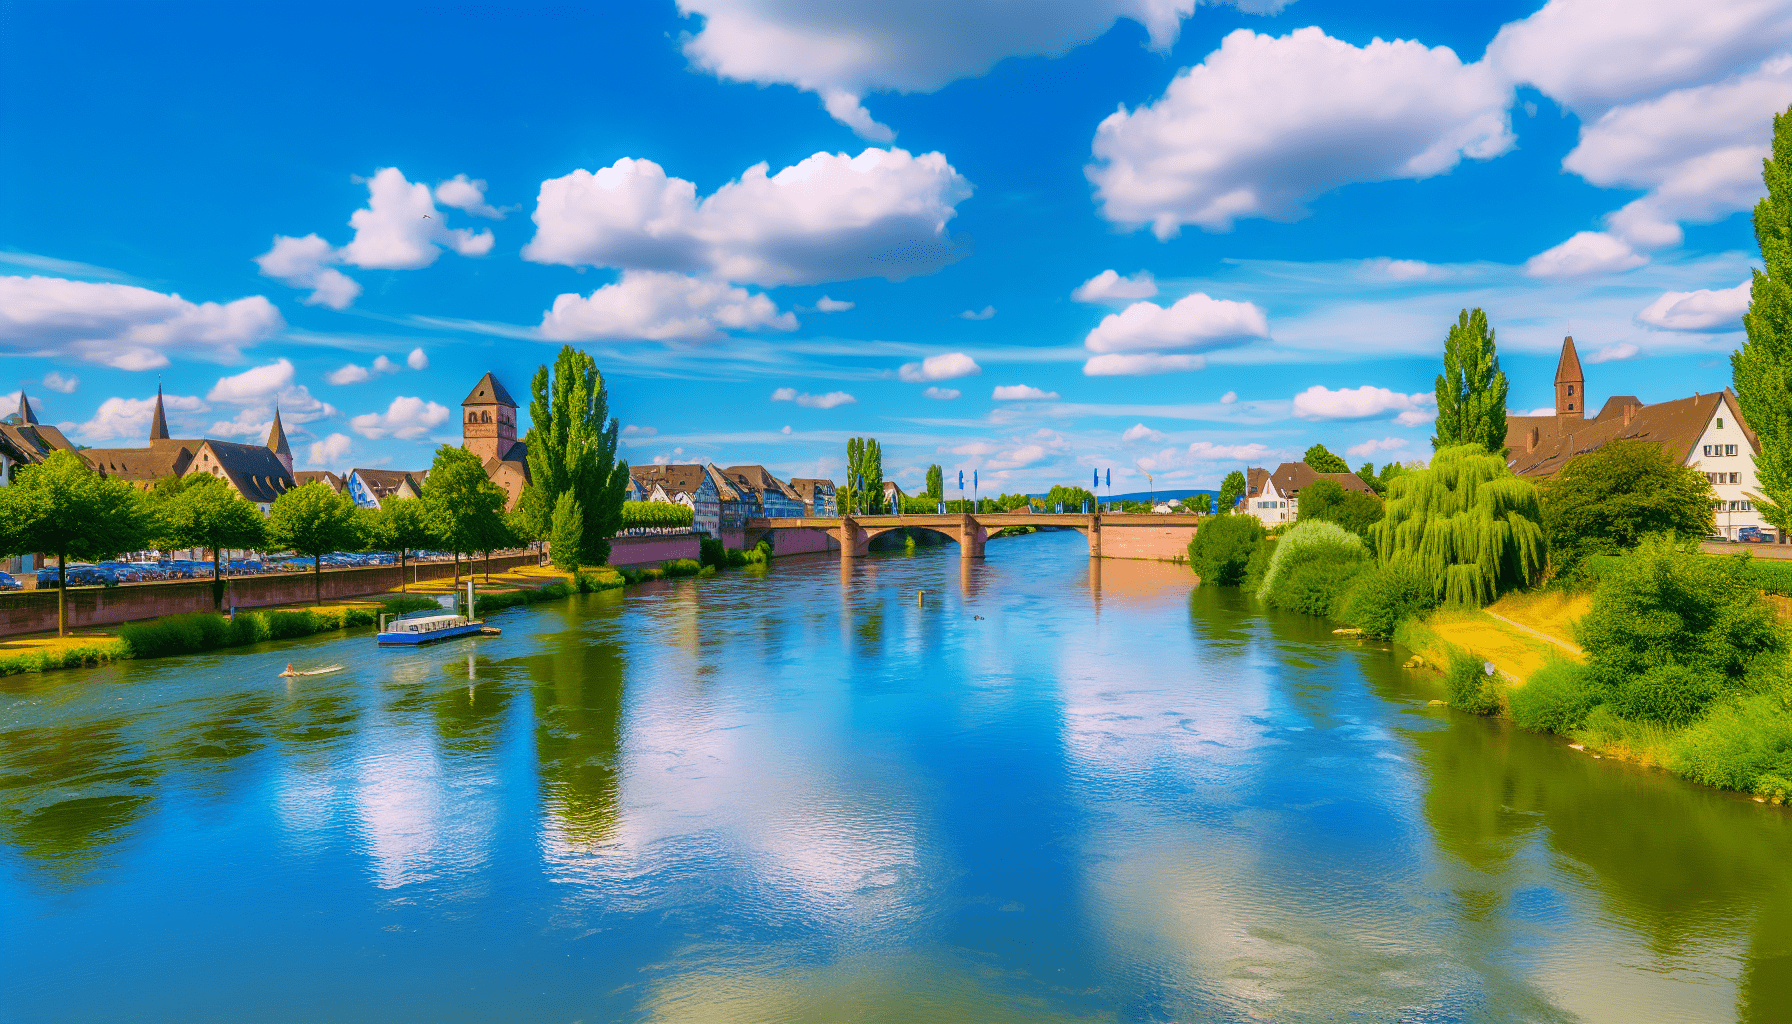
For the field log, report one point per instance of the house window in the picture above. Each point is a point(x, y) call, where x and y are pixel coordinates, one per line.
point(1729, 449)
point(1735, 478)
point(1720, 423)
point(1707, 451)
point(1570, 406)
point(1571, 391)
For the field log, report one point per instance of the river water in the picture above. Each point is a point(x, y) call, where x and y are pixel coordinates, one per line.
point(1057, 791)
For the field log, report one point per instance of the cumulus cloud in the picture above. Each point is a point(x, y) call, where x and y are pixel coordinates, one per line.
point(469, 196)
point(1132, 341)
point(406, 419)
point(417, 360)
point(941, 394)
point(974, 314)
point(1615, 353)
point(634, 431)
point(258, 391)
point(129, 417)
point(830, 217)
point(1017, 458)
point(305, 263)
point(1206, 451)
point(827, 305)
point(1022, 393)
point(1369, 448)
point(808, 401)
point(329, 452)
point(349, 374)
point(1109, 286)
point(1586, 254)
point(124, 326)
point(948, 366)
point(843, 51)
point(786, 429)
point(1228, 398)
point(662, 306)
point(1265, 124)
point(62, 385)
point(1141, 432)
point(1140, 364)
point(383, 365)
point(1364, 403)
point(1403, 270)
point(1703, 310)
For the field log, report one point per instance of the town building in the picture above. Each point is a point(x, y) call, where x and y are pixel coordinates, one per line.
point(1274, 498)
point(688, 485)
point(1706, 433)
point(488, 430)
point(312, 476)
point(777, 499)
point(371, 487)
point(738, 499)
point(816, 495)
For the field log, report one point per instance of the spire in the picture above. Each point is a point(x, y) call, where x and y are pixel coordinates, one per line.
point(158, 424)
point(25, 413)
point(277, 442)
point(1568, 368)
point(1571, 383)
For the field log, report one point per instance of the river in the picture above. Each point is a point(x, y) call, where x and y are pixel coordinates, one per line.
point(1055, 791)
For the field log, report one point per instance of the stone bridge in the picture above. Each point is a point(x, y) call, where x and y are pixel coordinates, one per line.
point(1114, 535)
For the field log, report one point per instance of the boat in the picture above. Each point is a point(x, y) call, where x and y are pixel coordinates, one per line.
point(423, 629)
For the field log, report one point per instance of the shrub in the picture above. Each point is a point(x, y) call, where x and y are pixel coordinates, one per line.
point(711, 551)
point(401, 605)
point(682, 567)
point(1668, 694)
point(1353, 510)
point(1387, 595)
point(1608, 499)
point(1258, 566)
point(175, 634)
point(1317, 584)
point(1557, 698)
point(664, 515)
point(1316, 541)
point(1221, 549)
point(1744, 745)
point(1471, 685)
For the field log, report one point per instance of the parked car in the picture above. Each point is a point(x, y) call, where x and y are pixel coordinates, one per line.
point(8, 583)
point(1754, 535)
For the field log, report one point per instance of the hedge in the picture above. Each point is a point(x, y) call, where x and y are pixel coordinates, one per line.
point(659, 515)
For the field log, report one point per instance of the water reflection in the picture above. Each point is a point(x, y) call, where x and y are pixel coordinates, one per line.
point(576, 689)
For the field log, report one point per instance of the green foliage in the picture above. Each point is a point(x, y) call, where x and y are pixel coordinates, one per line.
point(712, 552)
point(663, 515)
point(1327, 501)
point(922, 506)
point(465, 510)
point(208, 514)
point(208, 631)
point(1221, 549)
point(61, 507)
point(1309, 542)
point(1665, 694)
point(682, 567)
point(533, 517)
point(1318, 582)
point(399, 525)
point(1556, 698)
point(1471, 685)
point(864, 490)
point(45, 659)
point(1471, 526)
point(572, 448)
point(1471, 392)
point(936, 484)
point(314, 520)
point(1744, 745)
point(1609, 499)
point(1762, 368)
point(1072, 497)
point(569, 532)
point(1386, 596)
point(1320, 459)
point(1232, 489)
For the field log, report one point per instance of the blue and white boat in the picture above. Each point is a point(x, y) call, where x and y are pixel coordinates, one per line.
point(423, 629)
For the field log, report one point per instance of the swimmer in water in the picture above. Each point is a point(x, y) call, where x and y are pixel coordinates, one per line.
point(289, 670)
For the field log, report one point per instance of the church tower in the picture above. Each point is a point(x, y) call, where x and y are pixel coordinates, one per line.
point(26, 416)
point(488, 420)
point(158, 424)
point(277, 442)
point(1571, 383)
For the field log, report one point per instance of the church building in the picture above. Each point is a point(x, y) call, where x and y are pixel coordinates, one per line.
point(488, 430)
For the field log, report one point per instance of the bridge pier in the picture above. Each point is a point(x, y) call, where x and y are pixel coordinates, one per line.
point(971, 537)
point(1093, 533)
point(854, 541)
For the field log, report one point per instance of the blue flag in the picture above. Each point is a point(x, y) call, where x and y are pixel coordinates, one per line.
point(1110, 479)
point(961, 479)
point(973, 478)
point(1097, 484)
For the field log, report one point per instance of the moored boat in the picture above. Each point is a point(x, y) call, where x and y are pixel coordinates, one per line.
point(423, 629)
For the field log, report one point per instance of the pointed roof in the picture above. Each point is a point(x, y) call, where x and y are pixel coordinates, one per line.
point(158, 425)
point(25, 413)
point(489, 392)
point(277, 437)
point(1568, 369)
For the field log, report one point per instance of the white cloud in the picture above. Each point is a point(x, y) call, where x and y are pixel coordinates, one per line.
point(984, 314)
point(1140, 364)
point(1403, 270)
point(129, 417)
point(786, 429)
point(1022, 393)
point(827, 305)
point(417, 360)
point(1109, 286)
point(1205, 451)
point(258, 391)
point(1369, 448)
point(1703, 310)
point(330, 452)
point(1615, 353)
point(124, 326)
point(405, 418)
point(633, 431)
point(62, 385)
point(843, 51)
point(463, 194)
point(1364, 403)
point(829, 217)
point(349, 374)
point(305, 263)
point(1548, 410)
point(1228, 398)
point(662, 306)
point(1590, 55)
point(1141, 431)
point(808, 401)
point(941, 394)
point(947, 366)
point(383, 365)
point(1586, 254)
point(1017, 458)
point(1193, 322)
point(1265, 124)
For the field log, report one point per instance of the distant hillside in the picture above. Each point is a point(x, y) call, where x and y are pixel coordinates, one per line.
point(1147, 495)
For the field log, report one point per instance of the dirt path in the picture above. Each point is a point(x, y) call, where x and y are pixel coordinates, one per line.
point(1570, 648)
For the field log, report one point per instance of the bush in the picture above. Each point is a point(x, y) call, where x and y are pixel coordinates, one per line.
point(1470, 685)
point(1745, 745)
point(1317, 586)
point(1307, 542)
point(712, 551)
point(1557, 698)
point(1667, 694)
point(1387, 595)
point(663, 515)
point(176, 634)
point(682, 567)
point(1221, 549)
point(1328, 501)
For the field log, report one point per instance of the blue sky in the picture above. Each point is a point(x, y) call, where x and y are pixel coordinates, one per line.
point(356, 211)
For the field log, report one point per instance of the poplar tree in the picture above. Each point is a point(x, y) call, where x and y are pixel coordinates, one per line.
point(1762, 368)
point(1471, 392)
point(936, 483)
point(572, 444)
point(864, 474)
point(569, 526)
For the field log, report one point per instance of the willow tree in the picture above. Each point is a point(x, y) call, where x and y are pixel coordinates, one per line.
point(1471, 392)
point(1470, 526)
point(571, 446)
point(1762, 368)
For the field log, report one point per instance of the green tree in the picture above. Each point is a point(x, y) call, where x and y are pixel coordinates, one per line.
point(1610, 498)
point(1072, 497)
point(1322, 460)
point(533, 517)
point(1231, 489)
point(572, 444)
point(569, 526)
point(1762, 368)
point(864, 475)
point(61, 507)
point(462, 504)
point(1222, 548)
point(1468, 523)
point(1471, 392)
point(936, 483)
point(1327, 501)
point(206, 513)
point(1366, 473)
point(314, 520)
point(400, 525)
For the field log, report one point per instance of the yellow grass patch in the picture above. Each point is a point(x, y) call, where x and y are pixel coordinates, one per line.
point(1552, 614)
point(32, 643)
point(1512, 651)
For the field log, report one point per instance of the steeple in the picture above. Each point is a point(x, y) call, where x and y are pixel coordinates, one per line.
point(1571, 383)
point(277, 442)
point(25, 413)
point(158, 425)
